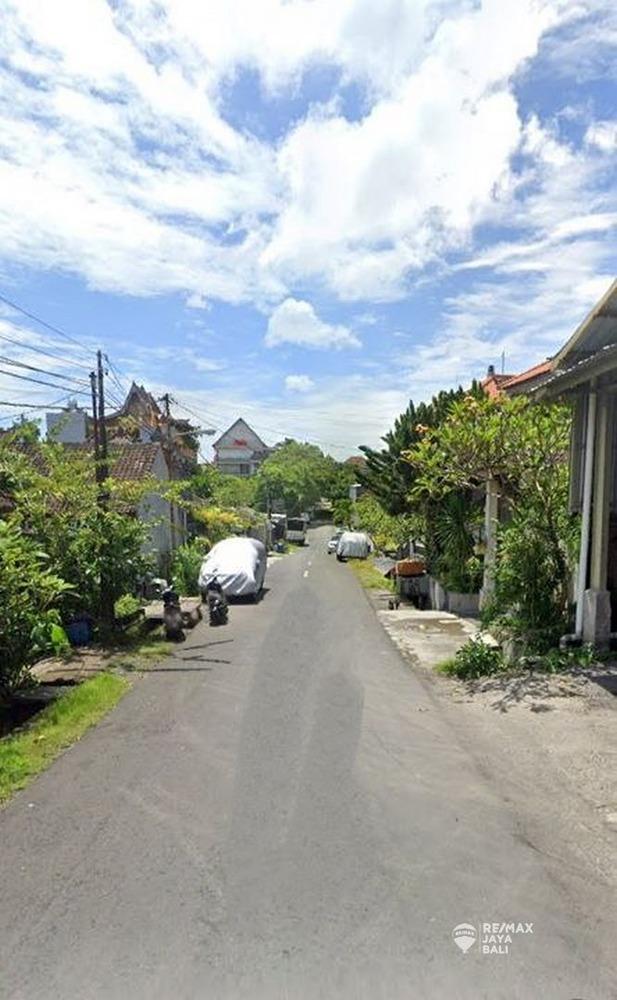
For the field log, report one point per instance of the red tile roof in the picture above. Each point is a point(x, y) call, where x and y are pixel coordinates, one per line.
point(540, 369)
point(492, 384)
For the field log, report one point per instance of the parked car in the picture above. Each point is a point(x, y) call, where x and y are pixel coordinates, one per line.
point(353, 545)
point(334, 542)
point(297, 528)
point(239, 564)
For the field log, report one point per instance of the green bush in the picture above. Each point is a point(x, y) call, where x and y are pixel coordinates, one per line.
point(127, 605)
point(531, 580)
point(474, 659)
point(29, 624)
point(186, 565)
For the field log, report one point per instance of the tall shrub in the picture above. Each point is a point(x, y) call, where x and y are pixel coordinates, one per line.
point(29, 591)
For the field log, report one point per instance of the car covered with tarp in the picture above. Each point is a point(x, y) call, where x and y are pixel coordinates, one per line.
point(353, 545)
point(239, 565)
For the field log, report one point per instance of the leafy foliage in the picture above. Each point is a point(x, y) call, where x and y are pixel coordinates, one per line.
point(186, 565)
point(218, 523)
point(28, 592)
point(454, 518)
point(524, 447)
point(388, 474)
point(388, 531)
point(474, 659)
point(296, 475)
point(127, 605)
point(54, 496)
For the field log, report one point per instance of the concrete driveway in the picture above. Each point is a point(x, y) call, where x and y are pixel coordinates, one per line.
point(282, 810)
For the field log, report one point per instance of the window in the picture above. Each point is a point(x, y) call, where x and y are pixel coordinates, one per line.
point(245, 470)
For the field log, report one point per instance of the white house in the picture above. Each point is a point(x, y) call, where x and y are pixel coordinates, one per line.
point(239, 451)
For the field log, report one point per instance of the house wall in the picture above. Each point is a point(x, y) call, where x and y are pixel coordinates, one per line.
point(155, 511)
point(239, 451)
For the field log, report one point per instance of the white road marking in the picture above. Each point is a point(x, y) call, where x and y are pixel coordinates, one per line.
point(305, 574)
point(310, 562)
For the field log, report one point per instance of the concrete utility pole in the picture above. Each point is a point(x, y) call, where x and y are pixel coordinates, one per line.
point(166, 401)
point(106, 581)
point(95, 423)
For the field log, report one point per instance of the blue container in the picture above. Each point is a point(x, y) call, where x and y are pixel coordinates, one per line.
point(79, 633)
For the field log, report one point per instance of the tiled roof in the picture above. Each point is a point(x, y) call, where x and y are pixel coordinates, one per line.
point(527, 376)
point(129, 461)
point(492, 383)
point(133, 461)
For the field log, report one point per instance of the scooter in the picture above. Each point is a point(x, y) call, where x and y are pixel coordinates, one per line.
point(172, 615)
point(218, 608)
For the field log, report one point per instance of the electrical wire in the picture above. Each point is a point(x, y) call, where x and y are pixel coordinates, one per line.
point(258, 426)
point(28, 407)
point(39, 381)
point(42, 371)
point(41, 350)
point(48, 326)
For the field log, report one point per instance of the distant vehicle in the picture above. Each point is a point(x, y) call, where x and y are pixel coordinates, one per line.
point(239, 565)
point(297, 528)
point(332, 544)
point(353, 545)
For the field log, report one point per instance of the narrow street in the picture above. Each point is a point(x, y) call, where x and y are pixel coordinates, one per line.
point(281, 810)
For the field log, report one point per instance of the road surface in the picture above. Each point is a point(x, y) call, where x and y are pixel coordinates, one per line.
point(281, 810)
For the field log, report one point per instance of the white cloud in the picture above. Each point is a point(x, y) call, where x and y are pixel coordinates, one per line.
point(296, 322)
point(197, 301)
point(367, 201)
point(121, 166)
point(602, 135)
point(299, 383)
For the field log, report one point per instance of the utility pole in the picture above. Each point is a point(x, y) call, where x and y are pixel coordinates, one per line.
point(102, 428)
point(102, 473)
point(166, 401)
point(95, 423)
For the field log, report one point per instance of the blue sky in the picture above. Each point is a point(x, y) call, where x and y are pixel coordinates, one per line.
point(304, 212)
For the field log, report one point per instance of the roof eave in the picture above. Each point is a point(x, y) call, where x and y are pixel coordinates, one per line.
point(607, 306)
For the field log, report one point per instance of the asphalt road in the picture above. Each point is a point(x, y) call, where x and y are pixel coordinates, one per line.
point(281, 810)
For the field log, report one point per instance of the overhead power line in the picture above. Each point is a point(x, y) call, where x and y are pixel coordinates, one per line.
point(28, 407)
point(40, 381)
point(40, 350)
point(42, 371)
point(258, 426)
point(43, 322)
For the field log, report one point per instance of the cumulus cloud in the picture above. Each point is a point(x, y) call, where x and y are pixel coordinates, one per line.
point(122, 162)
point(299, 383)
point(120, 165)
point(603, 135)
point(296, 322)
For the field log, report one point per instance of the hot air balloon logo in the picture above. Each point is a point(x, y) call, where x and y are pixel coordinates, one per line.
point(464, 936)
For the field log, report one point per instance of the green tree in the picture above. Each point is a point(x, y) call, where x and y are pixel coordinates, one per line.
point(54, 497)
point(29, 594)
point(388, 475)
point(296, 475)
point(524, 447)
point(389, 531)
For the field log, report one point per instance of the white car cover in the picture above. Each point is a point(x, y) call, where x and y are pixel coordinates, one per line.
point(239, 564)
point(353, 545)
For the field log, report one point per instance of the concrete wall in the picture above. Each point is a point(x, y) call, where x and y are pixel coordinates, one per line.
point(156, 512)
point(66, 427)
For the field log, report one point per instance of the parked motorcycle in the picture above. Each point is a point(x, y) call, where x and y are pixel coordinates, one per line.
point(172, 615)
point(218, 607)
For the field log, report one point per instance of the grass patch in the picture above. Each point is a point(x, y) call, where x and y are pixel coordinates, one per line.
point(137, 651)
point(25, 754)
point(369, 576)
